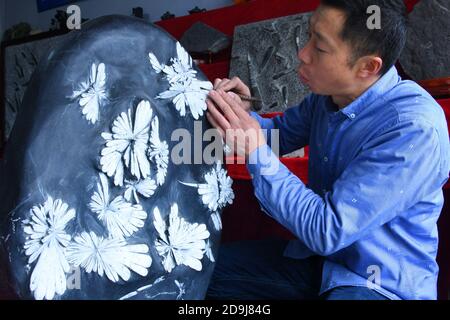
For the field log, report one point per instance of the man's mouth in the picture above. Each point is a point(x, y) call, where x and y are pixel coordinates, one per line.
point(302, 77)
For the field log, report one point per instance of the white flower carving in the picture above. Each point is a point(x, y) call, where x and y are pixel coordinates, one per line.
point(46, 240)
point(191, 93)
point(208, 251)
point(226, 195)
point(181, 242)
point(141, 289)
point(120, 217)
point(181, 68)
point(128, 143)
point(110, 256)
point(216, 193)
point(146, 188)
point(181, 289)
point(92, 93)
point(217, 220)
point(158, 152)
point(185, 89)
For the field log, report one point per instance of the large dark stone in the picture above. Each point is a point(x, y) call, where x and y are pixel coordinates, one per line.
point(92, 206)
point(201, 38)
point(427, 50)
point(264, 56)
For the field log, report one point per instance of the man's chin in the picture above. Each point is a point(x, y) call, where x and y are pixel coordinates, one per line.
point(312, 89)
point(316, 90)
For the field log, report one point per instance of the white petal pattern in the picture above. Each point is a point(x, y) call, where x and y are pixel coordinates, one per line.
point(145, 188)
point(185, 89)
point(217, 220)
point(111, 256)
point(128, 143)
point(181, 289)
point(208, 251)
point(46, 240)
point(179, 242)
point(120, 217)
point(226, 195)
point(158, 152)
point(217, 192)
point(92, 93)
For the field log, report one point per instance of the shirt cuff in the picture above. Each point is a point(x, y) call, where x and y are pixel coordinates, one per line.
point(263, 122)
point(262, 162)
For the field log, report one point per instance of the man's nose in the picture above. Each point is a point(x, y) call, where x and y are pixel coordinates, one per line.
point(303, 55)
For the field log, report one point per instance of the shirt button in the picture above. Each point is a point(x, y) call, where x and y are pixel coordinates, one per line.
point(325, 159)
point(352, 115)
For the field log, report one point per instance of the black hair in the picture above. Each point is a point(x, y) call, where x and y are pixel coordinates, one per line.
point(387, 41)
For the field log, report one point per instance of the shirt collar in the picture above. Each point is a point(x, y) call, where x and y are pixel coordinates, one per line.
point(384, 84)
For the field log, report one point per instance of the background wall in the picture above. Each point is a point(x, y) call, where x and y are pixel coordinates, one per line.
point(2, 17)
point(13, 11)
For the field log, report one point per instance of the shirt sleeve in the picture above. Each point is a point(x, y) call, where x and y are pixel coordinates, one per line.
point(391, 173)
point(293, 127)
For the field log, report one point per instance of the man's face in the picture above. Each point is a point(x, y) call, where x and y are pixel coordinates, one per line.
point(324, 66)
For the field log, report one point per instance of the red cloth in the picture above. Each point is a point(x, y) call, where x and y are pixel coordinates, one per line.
point(445, 104)
point(225, 19)
point(216, 70)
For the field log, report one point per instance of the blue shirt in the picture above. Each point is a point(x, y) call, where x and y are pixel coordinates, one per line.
point(376, 171)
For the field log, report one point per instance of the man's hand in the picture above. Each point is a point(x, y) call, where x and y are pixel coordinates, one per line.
point(240, 131)
point(235, 85)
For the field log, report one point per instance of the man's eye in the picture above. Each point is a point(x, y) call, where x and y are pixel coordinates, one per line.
point(320, 50)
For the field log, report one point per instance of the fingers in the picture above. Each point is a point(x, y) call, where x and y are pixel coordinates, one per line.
point(235, 84)
point(220, 122)
point(224, 105)
point(234, 104)
point(217, 82)
point(215, 124)
point(234, 96)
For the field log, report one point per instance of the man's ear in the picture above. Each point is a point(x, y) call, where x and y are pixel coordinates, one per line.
point(369, 66)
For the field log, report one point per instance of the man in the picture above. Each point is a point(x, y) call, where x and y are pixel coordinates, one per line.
point(379, 156)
